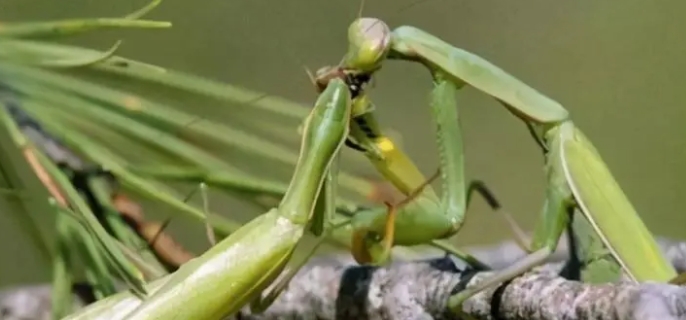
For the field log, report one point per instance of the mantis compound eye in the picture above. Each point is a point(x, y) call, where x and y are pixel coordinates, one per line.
point(369, 42)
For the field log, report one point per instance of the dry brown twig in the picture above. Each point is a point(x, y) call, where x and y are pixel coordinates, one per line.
point(165, 247)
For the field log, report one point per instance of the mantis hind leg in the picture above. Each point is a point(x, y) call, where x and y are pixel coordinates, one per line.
point(487, 194)
point(520, 267)
point(209, 230)
point(556, 213)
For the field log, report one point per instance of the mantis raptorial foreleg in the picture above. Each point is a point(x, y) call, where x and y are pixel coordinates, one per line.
point(576, 175)
point(427, 218)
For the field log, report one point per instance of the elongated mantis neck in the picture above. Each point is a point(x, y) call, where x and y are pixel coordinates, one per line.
point(299, 201)
point(324, 133)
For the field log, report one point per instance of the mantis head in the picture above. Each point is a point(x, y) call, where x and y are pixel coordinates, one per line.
point(369, 43)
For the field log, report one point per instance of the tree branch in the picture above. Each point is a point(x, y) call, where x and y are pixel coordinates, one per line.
point(334, 287)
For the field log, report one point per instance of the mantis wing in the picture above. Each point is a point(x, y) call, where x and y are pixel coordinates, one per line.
point(611, 214)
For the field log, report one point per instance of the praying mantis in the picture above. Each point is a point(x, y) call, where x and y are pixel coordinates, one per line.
point(240, 267)
point(577, 177)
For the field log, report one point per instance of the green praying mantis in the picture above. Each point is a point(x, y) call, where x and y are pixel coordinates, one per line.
point(239, 268)
point(577, 178)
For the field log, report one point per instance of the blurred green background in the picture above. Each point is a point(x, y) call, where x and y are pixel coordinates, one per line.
point(619, 67)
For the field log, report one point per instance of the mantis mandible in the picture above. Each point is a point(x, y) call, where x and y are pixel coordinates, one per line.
point(577, 178)
point(239, 268)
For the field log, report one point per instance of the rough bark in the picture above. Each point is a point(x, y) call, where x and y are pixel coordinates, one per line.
point(334, 287)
